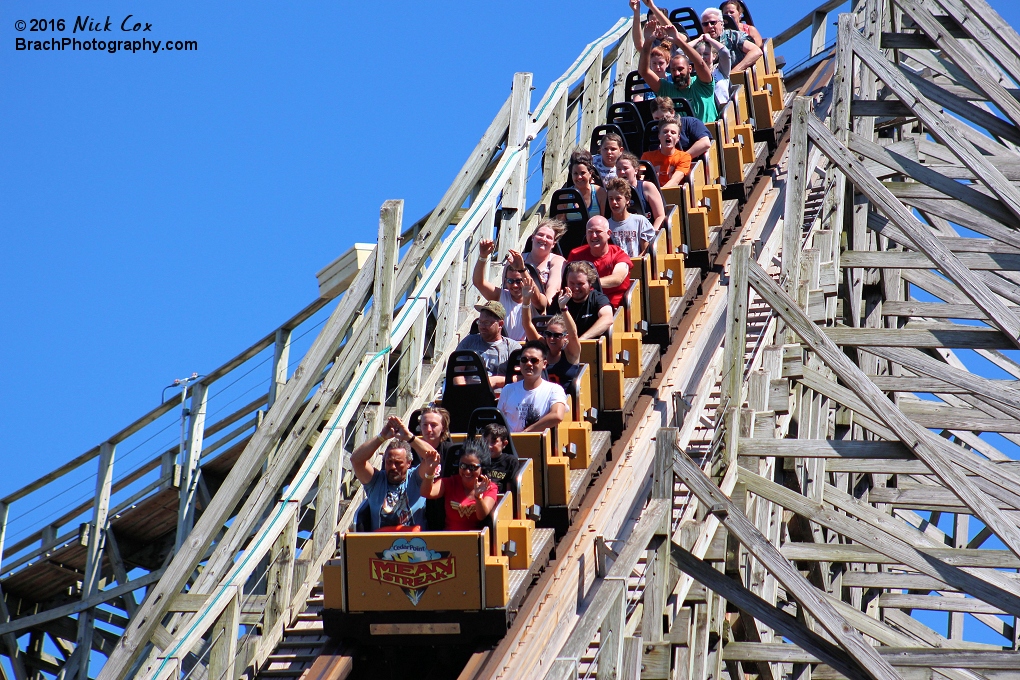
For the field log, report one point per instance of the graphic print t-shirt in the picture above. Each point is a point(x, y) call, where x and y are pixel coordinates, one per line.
point(521, 408)
point(460, 506)
point(395, 504)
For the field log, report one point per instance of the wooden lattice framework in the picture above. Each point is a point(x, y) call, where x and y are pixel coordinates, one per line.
point(864, 489)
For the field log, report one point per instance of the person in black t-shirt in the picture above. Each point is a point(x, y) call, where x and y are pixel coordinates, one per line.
point(589, 308)
point(504, 463)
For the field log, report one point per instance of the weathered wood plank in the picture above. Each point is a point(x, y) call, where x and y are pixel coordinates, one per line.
point(783, 623)
point(887, 540)
point(791, 579)
point(948, 263)
point(907, 431)
point(937, 125)
point(919, 657)
point(815, 552)
point(960, 337)
point(893, 259)
point(824, 448)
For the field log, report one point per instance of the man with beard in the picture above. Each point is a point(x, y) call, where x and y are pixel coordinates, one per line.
point(393, 493)
point(699, 91)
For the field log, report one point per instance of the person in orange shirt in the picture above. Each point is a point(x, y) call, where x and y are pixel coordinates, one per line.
point(671, 163)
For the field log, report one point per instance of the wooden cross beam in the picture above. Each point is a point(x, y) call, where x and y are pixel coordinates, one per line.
point(912, 435)
point(765, 552)
point(784, 624)
point(936, 123)
point(999, 314)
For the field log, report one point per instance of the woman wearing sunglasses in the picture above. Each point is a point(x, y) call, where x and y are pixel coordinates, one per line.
point(560, 336)
point(469, 496)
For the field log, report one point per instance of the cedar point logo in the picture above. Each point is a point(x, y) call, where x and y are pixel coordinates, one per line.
point(413, 567)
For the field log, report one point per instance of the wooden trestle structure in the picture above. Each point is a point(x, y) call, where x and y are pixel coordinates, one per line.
point(824, 452)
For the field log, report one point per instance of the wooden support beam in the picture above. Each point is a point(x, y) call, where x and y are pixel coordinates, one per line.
point(796, 184)
point(824, 448)
point(783, 623)
point(223, 641)
point(886, 537)
point(190, 471)
point(982, 23)
point(557, 147)
point(943, 336)
point(25, 622)
point(900, 657)
point(916, 438)
point(923, 239)
point(929, 180)
point(513, 203)
point(791, 579)
point(735, 348)
point(899, 259)
point(14, 652)
point(391, 217)
point(119, 572)
point(280, 580)
point(937, 125)
point(602, 612)
point(94, 554)
point(281, 359)
point(818, 31)
point(591, 116)
point(917, 361)
point(955, 51)
point(798, 26)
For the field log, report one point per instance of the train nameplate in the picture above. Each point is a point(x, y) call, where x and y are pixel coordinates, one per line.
point(414, 629)
point(425, 571)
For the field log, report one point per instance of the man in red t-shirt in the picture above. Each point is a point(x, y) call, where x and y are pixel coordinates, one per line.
point(611, 262)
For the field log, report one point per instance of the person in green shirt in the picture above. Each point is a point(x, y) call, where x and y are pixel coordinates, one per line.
point(698, 91)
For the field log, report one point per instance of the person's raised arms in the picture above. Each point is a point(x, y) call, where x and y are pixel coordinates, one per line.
point(538, 297)
point(430, 486)
point(488, 290)
point(635, 28)
point(644, 63)
point(573, 348)
point(360, 465)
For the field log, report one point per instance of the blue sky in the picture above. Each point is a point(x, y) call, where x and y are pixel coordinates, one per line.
point(161, 212)
point(164, 211)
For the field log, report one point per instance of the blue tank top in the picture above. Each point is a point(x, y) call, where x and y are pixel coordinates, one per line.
point(594, 208)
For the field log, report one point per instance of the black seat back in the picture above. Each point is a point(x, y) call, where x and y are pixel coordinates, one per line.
point(601, 131)
point(481, 417)
point(460, 400)
point(568, 205)
point(647, 173)
point(626, 116)
point(513, 366)
point(651, 135)
point(363, 518)
point(686, 19)
point(682, 107)
point(635, 87)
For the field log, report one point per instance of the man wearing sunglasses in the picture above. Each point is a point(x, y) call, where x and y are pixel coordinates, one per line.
point(516, 279)
point(737, 44)
point(532, 404)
